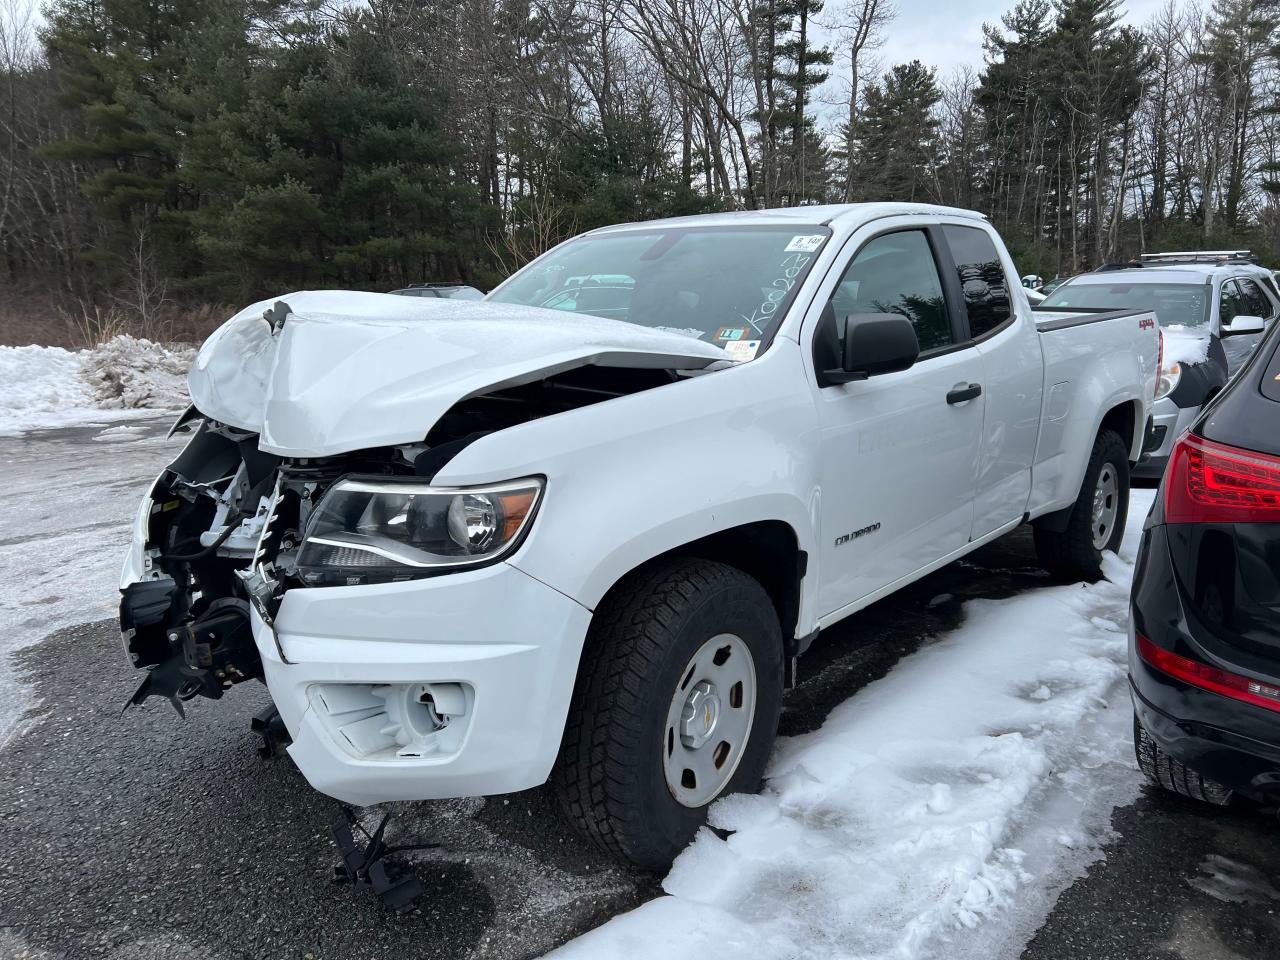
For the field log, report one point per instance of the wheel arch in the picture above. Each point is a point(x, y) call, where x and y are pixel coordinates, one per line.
point(769, 551)
point(1123, 419)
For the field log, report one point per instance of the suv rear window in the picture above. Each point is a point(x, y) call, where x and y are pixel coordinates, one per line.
point(1175, 304)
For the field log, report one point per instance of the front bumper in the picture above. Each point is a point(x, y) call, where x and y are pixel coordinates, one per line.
point(1168, 422)
point(509, 641)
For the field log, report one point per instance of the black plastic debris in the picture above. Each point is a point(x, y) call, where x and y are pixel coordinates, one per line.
point(269, 725)
point(396, 884)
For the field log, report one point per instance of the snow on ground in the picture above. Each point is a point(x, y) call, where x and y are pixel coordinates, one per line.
point(68, 506)
point(125, 378)
point(935, 814)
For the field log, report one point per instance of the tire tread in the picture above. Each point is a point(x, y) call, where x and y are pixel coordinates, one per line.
point(1070, 553)
point(1173, 775)
point(629, 635)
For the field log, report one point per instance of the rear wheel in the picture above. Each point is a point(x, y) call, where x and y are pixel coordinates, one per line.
point(1174, 776)
point(676, 704)
point(1096, 521)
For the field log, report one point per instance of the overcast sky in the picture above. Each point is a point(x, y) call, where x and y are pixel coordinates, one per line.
point(948, 33)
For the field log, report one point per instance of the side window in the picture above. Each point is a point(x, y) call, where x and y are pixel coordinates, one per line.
point(896, 273)
point(1255, 302)
point(986, 290)
point(1229, 303)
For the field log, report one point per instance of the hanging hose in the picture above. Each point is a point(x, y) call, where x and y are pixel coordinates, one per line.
point(232, 523)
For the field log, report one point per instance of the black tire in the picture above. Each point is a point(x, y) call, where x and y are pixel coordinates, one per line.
point(1172, 775)
point(1071, 553)
point(609, 775)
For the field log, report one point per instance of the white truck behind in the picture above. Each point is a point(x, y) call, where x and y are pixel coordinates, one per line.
point(583, 529)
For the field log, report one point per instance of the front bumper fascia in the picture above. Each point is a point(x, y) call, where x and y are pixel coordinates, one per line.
point(1168, 422)
point(511, 640)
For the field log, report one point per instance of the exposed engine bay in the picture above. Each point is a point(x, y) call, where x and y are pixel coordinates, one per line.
point(226, 523)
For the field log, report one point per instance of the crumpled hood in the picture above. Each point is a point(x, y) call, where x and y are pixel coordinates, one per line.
point(355, 370)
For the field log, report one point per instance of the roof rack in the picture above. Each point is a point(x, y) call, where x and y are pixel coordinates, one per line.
point(1199, 256)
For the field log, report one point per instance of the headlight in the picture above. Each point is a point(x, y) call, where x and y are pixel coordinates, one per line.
point(1170, 374)
point(376, 530)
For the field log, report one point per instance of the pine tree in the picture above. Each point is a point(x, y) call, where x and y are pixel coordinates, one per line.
point(333, 171)
point(806, 174)
point(126, 71)
point(897, 135)
point(1241, 35)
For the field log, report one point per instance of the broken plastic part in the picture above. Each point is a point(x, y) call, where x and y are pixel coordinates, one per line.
point(395, 884)
point(276, 315)
point(269, 725)
point(204, 657)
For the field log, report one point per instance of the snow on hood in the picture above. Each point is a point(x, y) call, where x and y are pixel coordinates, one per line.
point(354, 370)
point(1184, 345)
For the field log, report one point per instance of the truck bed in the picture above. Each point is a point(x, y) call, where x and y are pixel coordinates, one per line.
point(1091, 360)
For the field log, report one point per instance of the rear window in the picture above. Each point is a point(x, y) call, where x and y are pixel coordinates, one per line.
point(1175, 304)
point(986, 291)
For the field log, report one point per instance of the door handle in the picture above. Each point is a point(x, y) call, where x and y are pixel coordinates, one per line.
point(961, 394)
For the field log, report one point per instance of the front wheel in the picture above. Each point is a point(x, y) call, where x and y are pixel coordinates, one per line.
point(1096, 521)
point(676, 704)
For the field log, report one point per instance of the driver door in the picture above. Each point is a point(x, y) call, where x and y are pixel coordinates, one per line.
point(900, 451)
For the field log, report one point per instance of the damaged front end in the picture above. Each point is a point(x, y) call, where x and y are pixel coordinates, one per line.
point(358, 387)
point(221, 532)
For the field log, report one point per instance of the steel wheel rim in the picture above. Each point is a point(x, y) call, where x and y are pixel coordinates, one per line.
point(709, 720)
point(1106, 506)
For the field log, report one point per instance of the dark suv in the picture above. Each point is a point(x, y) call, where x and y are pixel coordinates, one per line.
point(443, 291)
point(1204, 659)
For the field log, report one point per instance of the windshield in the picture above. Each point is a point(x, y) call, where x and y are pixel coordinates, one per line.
point(727, 286)
point(1175, 304)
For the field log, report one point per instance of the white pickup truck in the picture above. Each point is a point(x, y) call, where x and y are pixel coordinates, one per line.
point(583, 529)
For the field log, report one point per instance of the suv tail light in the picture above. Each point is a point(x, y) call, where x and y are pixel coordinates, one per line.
point(1209, 482)
point(1205, 677)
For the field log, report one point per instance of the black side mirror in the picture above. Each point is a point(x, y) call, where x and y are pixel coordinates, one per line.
point(874, 343)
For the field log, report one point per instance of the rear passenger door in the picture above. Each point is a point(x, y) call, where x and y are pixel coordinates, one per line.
point(1012, 375)
point(899, 450)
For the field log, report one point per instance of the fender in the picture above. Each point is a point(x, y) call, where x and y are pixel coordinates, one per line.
point(1050, 499)
point(638, 476)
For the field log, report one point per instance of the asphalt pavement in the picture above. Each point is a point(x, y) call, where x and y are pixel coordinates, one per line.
point(140, 835)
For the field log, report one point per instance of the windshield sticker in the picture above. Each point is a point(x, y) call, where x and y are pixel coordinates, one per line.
point(742, 350)
point(805, 244)
point(730, 333)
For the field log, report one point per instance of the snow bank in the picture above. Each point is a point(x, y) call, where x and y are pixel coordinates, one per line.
point(46, 387)
point(941, 800)
point(131, 374)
